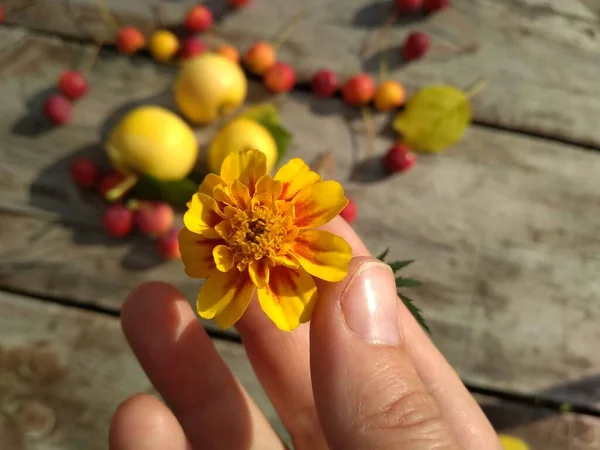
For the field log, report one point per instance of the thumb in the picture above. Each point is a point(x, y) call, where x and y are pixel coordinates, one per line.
point(367, 392)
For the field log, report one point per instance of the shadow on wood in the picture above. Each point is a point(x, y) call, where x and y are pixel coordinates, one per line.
point(375, 15)
point(34, 123)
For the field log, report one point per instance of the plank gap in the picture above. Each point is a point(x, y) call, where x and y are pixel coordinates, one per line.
point(532, 400)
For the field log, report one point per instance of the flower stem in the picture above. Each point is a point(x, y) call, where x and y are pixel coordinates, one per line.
point(121, 189)
point(107, 16)
point(366, 46)
point(370, 131)
point(86, 66)
point(477, 87)
point(288, 28)
point(384, 64)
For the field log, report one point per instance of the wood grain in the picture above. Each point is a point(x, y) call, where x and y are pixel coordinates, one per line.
point(63, 371)
point(541, 428)
point(502, 226)
point(540, 58)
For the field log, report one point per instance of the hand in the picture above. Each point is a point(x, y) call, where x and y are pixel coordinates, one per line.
point(378, 382)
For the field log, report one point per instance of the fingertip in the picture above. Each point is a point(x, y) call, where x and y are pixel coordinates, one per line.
point(142, 422)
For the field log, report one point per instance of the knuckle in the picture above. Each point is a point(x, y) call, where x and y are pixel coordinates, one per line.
point(397, 411)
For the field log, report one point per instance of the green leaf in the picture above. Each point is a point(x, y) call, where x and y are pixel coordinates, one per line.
point(407, 282)
point(415, 311)
point(282, 137)
point(397, 265)
point(435, 118)
point(264, 112)
point(383, 255)
point(177, 193)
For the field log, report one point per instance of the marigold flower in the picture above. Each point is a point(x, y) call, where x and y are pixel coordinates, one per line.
point(247, 232)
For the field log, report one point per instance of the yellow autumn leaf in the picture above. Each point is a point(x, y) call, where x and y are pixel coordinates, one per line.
point(435, 118)
point(512, 443)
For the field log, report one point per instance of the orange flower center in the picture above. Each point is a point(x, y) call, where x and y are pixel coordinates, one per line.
point(257, 233)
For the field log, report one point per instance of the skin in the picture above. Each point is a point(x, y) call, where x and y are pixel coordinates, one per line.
point(334, 390)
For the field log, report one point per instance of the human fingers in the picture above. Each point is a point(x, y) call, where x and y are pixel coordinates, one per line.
point(184, 366)
point(281, 362)
point(368, 392)
point(458, 406)
point(142, 422)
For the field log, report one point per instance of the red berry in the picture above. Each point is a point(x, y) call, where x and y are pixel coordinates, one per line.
point(435, 5)
point(168, 245)
point(108, 181)
point(415, 46)
point(1, 14)
point(408, 6)
point(191, 46)
point(130, 40)
point(350, 212)
point(118, 220)
point(72, 84)
point(399, 158)
point(280, 78)
point(154, 219)
point(359, 90)
point(198, 19)
point(58, 109)
point(238, 3)
point(84, 172)
point(324, 83)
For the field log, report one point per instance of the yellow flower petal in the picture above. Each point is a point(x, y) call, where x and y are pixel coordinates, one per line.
point(286, 261)
point(322, 254)
point(263, 199)
point(203, 214)
point(223, 257)
point(295, 176)
point(289, 298)
point(220, 290)
point(210, 182)
point(259, 272)
point(317, 204)
point(197, 253)
point(268, 185)
point(246, 166)
point(240, 193)
point(232, 312)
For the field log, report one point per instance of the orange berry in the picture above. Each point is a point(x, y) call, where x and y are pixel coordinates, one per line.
point(260, 58)
point(390, 95)
point(163, 45)
point(229, 52)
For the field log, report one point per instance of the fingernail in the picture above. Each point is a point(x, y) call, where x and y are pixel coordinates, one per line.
point(370, 304)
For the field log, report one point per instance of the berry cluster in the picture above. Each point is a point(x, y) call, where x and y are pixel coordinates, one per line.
point(72, 85)
point(153, 219)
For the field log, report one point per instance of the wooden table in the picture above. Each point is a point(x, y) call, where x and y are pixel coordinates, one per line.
point(504, 226)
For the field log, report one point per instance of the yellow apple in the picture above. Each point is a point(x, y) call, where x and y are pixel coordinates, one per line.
point(238, 135)
point(154, 141)
point(209, 86)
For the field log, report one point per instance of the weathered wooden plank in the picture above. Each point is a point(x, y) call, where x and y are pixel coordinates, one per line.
point(541, 428)
point(541, 58)
point(63, 371)
point(501, 226)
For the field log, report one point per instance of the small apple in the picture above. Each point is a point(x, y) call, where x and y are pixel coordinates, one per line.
point(229, 52)
point(163, 45)
point(191, 46)
point(130, 40)
point(390, 95)
point(260, 58)
point(280, 78)
point(198, 19)
point(359, 90)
